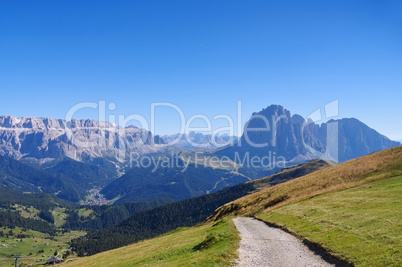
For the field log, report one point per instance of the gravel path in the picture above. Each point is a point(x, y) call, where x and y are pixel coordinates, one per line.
point(262, 245)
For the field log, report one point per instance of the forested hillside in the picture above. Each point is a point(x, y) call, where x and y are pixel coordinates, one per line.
point(43, 206)
point(24, 178)
point(85, 175)
point(187, 212)
point(176, 182)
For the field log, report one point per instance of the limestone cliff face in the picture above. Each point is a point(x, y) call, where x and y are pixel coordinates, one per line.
point(274, 131)
point(83, 140)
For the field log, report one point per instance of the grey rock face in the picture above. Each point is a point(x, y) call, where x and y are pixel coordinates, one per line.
point(46, 138)
point(274, 131)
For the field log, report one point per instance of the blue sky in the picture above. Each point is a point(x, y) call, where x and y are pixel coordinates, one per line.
point(203, 56)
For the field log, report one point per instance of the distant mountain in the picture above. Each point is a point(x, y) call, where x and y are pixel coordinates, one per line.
point(199, 140)
point(24, 178)
point(41, 140)
point(178, 181)
point(278, 137)
point(356, 139)
point(62, 147)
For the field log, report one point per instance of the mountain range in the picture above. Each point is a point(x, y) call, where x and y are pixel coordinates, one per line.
point(78, 155)
point(199, 140)
point(41, 140)
point(293, 140)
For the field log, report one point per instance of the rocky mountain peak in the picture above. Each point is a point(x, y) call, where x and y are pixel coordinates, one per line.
point(44, 139)
point(274, 131)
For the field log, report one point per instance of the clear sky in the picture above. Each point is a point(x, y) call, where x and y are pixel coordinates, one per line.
point(203, 56)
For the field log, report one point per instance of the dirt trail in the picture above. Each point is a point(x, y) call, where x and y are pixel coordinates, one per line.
point(262, 245)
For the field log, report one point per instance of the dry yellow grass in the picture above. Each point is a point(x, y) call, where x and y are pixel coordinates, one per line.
point(376, 166)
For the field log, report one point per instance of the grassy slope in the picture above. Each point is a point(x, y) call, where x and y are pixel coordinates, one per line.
point(59, 216)
point(352, 209)
point(210, 244)
point(363, 224)
point(373, 167)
